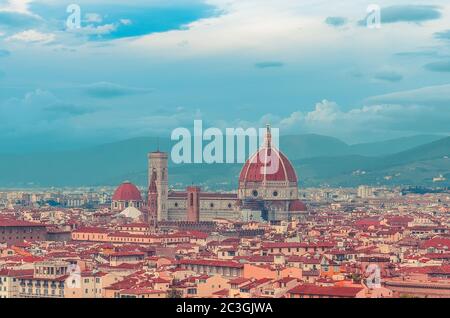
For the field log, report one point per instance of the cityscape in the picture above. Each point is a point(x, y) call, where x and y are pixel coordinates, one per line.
point(244, 151)
point(268, 239)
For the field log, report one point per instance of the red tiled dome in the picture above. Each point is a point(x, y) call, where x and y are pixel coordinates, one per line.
point(257, 168)
point(127, 192)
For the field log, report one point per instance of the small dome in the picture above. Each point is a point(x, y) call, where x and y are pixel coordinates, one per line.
point(127, 192)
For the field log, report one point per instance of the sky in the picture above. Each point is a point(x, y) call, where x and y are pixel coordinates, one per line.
point(145, 67)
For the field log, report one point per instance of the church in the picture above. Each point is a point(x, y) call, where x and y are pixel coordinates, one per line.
point(262, 194)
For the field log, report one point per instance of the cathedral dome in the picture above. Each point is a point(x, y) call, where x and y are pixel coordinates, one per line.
point(258, 167)
point(268, 175)
point(268, 164)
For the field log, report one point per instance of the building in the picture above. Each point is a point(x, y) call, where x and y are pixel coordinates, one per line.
point(17, 231)
point(365, 192)
point(158, 169)
point(126, 195)
point(312, 291)
point(268, 183)
point(48, 280)
point(267, 189)
point(9, 281)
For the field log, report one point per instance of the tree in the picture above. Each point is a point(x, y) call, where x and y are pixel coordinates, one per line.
point(174, 293)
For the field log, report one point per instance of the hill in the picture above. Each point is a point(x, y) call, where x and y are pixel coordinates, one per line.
point(318, 160)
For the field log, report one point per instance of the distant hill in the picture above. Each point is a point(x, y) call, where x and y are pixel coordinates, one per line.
point(318, 160)
point(417, 166)
point(392, 146)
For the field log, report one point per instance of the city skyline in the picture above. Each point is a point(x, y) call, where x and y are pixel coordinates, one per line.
point(232, 156)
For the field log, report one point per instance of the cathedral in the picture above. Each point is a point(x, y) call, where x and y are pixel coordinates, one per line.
point(263, 193)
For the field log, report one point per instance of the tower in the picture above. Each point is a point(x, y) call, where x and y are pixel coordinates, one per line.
point(158, 163)
point(193, 204)
point(152, 204)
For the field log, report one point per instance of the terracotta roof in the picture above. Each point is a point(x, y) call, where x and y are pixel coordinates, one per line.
point(326, 291)
point(18, 223)
point(205, 262)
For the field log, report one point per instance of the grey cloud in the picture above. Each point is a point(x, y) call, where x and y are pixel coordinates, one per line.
point(336, 21)
point(444, 35)
point(442, 66)
point(408, 13)
point(388, 76)
point(107, 90)
point(269, 64)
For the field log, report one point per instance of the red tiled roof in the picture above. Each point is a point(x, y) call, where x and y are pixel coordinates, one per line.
point(18, 223)
point(205, 262)
point(326, 291)
point(141, 291)
point(255, 169)
point(437, 242)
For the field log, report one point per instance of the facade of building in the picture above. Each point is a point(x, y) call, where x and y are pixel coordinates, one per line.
point(48, 280)
point(16, 231)
point(268, 189)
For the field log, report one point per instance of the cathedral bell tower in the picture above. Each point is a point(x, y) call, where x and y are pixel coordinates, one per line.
point(158, 174)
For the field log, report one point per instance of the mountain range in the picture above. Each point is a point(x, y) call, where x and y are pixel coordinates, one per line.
point(319, 161)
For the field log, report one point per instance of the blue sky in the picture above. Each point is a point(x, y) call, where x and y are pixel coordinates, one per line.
point(142, 68)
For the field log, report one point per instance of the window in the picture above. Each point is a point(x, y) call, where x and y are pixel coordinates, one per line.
point(255, 193)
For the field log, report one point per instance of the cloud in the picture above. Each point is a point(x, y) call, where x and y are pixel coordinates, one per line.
point(428, 96)
point(4, 53)
point(407, 13)
point(336, 21)
point(15, 14)
point(96, 31)
point(111, 90)
point(18, 20)
point(32, 36)
point(388, 76)
point(443, 35)
point(420, 53)
point(269, 64)
point(131, 18)
point(126, 21)
point(93, 17)
point(38, 107)
point(441, 66)
point(380, 120)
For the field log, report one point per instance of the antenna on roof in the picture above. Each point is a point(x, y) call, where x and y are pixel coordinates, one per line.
point(157, 143)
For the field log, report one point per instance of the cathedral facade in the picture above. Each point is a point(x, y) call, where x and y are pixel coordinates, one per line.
point(267, 190)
